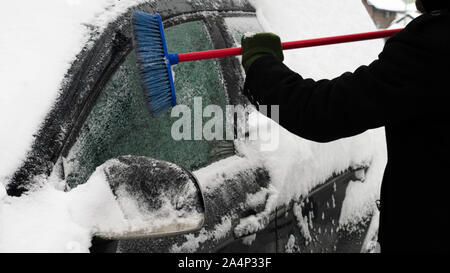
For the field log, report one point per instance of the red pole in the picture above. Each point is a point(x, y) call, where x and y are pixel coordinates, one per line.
point(228, 52)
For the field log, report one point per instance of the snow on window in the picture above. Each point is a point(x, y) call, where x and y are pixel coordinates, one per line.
point(120, 123)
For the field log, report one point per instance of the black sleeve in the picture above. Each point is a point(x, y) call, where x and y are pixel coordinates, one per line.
point(391, 89)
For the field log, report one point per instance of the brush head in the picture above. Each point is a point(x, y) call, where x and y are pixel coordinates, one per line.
point(153, 62)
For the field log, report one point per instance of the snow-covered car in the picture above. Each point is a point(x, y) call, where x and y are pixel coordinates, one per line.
point(289, 200)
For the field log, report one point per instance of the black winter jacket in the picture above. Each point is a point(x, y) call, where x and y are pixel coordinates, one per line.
point(407, 91)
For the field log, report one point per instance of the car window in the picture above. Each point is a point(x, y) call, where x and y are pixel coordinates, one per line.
point(120, 124)
point(238, 26)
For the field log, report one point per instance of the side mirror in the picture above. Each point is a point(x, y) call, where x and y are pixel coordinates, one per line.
point(157, 198)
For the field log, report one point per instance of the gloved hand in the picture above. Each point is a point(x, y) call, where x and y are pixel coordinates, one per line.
point(258, 45)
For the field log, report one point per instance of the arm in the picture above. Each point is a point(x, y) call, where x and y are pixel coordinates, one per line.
point(391, 89)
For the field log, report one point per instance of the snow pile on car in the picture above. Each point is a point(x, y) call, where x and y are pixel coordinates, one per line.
point(39, 41)
point(51, 220)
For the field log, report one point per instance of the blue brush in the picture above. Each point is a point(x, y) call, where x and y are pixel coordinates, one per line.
point(154, 61)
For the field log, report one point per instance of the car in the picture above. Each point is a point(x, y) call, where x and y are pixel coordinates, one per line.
point(100, 114)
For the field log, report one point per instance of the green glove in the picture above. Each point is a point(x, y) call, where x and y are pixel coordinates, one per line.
point(259, 45)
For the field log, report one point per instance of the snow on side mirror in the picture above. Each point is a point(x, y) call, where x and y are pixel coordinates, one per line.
point(157, 198)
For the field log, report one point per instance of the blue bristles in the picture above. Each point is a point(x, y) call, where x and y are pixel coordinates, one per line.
point(154, 62)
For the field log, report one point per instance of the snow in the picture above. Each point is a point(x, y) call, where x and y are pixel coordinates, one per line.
point(248, 240)
point(291, 246)
point(193, 241)
point(302, 223)
point(51, 220)
point(2, 191)
point(45, 42)
point(39, 41)
point(370, 243)
point(209, 177)
point(258, 198)
point(298, 165)
point(295, 20)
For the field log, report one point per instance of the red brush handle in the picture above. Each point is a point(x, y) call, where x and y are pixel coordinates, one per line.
point(228, 52)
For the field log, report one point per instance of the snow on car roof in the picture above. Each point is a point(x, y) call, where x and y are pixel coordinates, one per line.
point(39, 41)
point(295, 20)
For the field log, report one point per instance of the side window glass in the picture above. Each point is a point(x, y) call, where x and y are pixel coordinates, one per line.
point(120, 124)
point(239, 26)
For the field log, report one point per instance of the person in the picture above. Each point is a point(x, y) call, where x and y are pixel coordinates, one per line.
point(406, 90)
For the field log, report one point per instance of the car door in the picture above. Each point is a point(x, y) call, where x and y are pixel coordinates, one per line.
point(312, 224)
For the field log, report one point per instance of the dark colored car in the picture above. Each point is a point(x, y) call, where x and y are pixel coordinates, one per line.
point(101, 114)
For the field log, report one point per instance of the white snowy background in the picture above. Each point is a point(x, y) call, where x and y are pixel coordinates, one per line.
point(40, 39)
